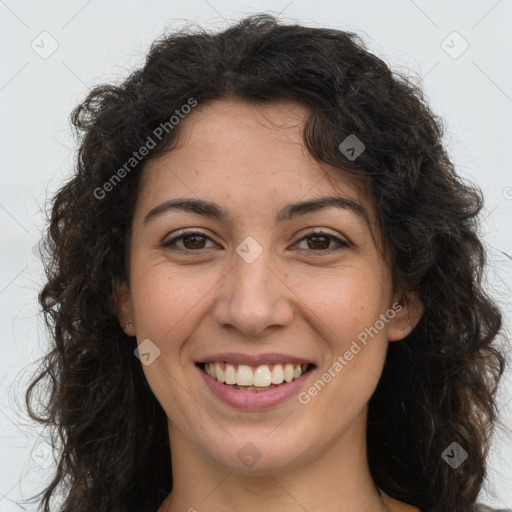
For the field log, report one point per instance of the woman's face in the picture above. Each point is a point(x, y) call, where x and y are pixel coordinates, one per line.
point(255, 290)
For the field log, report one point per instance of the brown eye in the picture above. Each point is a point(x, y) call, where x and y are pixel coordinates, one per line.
point(191, 241)
point(318, 242)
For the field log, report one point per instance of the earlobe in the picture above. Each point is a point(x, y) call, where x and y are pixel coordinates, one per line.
point(405, 319)
point(124, 308)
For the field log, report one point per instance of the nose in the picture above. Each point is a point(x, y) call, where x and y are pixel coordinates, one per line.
point(254, 297)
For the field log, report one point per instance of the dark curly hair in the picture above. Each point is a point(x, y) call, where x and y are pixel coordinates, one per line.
point(437, 387)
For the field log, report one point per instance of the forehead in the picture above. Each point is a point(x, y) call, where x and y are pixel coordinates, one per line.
point(247, 155)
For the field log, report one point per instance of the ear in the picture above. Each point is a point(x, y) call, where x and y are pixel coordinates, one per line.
point(408, 313)
point(124, 308)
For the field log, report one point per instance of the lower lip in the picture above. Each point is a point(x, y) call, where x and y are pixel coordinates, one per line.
point(254, 400)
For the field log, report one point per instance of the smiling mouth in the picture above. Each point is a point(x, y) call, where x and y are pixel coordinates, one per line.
point(254, 378)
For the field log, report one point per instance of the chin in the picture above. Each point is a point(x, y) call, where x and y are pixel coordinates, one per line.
point(259, 451)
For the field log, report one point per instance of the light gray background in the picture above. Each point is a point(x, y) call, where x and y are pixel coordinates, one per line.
point(102, 41)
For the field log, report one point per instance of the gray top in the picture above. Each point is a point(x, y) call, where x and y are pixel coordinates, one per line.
point(485, 508)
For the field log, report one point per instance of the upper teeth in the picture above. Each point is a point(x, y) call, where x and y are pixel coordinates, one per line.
point(262, 376)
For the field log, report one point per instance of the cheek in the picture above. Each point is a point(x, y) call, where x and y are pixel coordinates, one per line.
point(168, 302)
point(345, 309)
point(168, 306)
point(345, 302)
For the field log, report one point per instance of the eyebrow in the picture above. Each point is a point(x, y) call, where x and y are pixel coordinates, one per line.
point(288, 212)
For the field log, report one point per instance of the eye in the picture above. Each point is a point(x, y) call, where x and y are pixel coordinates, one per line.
point(192, 240)
point(321, 240)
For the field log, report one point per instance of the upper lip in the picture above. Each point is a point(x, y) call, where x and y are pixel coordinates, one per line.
point(254, 359)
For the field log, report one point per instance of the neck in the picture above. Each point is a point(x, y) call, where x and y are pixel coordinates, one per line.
point(336, 479)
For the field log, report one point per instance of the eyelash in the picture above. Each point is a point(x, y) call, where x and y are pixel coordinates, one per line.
point(184, 234)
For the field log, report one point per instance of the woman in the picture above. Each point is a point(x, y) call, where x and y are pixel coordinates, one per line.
point(264, 288)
